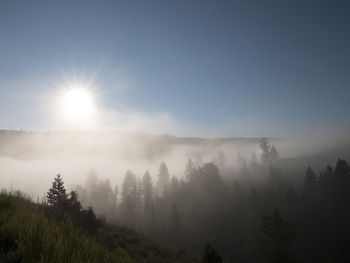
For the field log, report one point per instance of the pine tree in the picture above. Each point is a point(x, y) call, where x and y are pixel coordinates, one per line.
point(147, 188)
point(310, 183)
point(276, 238)
point(268, 152)
point(163, 179)
point(341, 181)
point(189, 169)
point(175, 226)
point(265, 151)
point(57, 193)
point(175, 221)
point(129, 198)
point(129, 188)
point(211, 255)
point(115, 195)
point(74, 205)
point(342, 169)
point(174, 185)
point(325, 181)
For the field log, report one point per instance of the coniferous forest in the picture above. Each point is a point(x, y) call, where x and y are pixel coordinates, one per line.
point(258, 215)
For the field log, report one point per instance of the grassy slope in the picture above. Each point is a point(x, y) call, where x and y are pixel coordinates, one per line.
point(26, 235)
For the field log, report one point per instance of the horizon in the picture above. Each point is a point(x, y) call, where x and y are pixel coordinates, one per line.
point(135, 133)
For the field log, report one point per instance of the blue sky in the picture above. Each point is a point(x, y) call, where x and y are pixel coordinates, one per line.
point(214, 68)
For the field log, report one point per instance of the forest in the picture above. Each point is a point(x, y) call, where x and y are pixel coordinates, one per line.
point(260, 212)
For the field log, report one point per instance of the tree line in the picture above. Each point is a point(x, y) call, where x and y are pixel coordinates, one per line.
point(258, 212)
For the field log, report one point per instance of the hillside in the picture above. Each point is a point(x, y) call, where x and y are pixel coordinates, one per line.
point(101, 144)
point(27, 234)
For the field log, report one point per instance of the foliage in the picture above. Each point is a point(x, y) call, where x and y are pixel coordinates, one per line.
point(211, 255)
point(28, 235)
point(269, 153)
point(57, 193)
point(207, 204)
point(276, 237)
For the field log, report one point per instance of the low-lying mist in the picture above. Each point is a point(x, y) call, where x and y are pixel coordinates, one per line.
point(29, 160)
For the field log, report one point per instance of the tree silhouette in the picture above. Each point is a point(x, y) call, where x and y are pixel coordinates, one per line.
point(325, 181)
point(89, 221)
point(342, 169)
point(57, 193)
point(74, 205)
point(189, 169)
point(147, 188)
point(211, 255)
point(268, 152)
point(163, 179)
point(265, 150)
point(175, 225)
point(276, 237)
point(130, 198)
point(310, 183)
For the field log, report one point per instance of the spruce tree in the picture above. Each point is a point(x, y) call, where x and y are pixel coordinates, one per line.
point(211, 255)
point(190, 169)
point(175, 221)
point(129, 198)
point(269, 152)
point(310, 183)
point(57, 193)
point(147, 189)
point(163, 179)
point(342, 169)
point(276, 238)
point(175, 226)
point(265, 151)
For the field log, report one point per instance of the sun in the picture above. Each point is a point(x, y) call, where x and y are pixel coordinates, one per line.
point(77, 104)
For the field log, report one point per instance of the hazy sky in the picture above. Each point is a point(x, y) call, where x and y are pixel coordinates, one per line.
point(218, 68)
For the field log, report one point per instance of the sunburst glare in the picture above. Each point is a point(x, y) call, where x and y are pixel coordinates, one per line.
point(77, 103)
